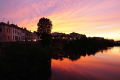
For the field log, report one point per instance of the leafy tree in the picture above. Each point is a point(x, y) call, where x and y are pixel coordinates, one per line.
point(44, 26)
point(44, 31)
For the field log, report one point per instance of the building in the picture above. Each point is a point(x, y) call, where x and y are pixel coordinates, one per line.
point(75, 36)
point(5, 32)
point(13, 33)
point(68, 37)
point(16, 33)
point(99, 38)
point(23, 34)
point(35, 36)
point(57, 35)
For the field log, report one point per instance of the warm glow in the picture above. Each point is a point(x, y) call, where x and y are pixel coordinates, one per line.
point(35, 40)
point(63, 38)
point(102, 65)
point(52, 37)
point(91, 17)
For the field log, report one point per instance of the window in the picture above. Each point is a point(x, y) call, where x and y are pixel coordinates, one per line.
point(8, 37)
point(19, 38)
point(16, 37)
point(0, 29)
point(13, 31)
point(13, 37)
point(9, 30)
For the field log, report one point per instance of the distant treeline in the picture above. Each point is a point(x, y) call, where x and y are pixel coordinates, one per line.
point(86, 43)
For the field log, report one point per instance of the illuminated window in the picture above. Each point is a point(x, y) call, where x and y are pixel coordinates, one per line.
point(63, 38)
point(74, 38)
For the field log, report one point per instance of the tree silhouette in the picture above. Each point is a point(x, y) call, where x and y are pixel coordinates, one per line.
point(44, 26)
point(44, 31)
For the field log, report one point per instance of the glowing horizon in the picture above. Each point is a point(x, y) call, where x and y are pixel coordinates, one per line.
point(98, 18)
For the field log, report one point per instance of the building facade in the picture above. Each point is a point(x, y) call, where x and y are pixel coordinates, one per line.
point(5, 32)
point(68, 37)
point(75, 36)
point(13, 33)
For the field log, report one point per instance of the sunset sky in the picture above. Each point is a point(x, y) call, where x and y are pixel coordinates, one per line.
point(90, 17)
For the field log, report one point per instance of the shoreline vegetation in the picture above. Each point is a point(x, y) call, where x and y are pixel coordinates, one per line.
point(32, 60)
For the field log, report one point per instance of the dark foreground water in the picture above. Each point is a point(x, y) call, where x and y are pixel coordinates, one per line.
point(104, 65)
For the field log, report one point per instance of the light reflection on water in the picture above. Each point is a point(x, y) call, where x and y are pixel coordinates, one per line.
point(104, 65)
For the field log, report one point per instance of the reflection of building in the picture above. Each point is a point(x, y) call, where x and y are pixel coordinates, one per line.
point(12, 33)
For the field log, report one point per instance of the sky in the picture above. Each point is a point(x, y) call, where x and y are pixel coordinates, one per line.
point(99, 18)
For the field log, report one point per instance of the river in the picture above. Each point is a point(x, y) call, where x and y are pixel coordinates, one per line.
point(103, 65)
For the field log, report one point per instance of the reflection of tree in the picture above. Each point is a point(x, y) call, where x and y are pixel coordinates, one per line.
point(75, 54)
point(92, 51)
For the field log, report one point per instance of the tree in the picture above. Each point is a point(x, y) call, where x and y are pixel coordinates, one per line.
point(44, 31)
point(44, 26)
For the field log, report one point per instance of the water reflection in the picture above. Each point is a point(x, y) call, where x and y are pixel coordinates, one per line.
point(102, 64)
point(90, 64)
point(76, 54)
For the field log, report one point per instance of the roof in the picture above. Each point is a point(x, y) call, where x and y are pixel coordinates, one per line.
point(2, 23)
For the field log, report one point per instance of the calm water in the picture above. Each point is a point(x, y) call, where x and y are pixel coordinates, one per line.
point(104, 65)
